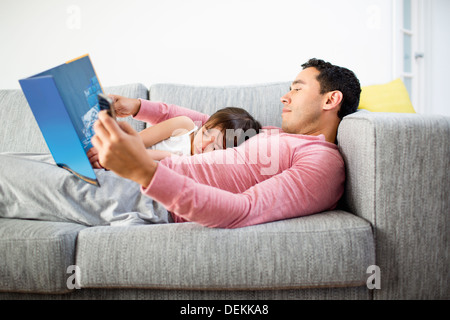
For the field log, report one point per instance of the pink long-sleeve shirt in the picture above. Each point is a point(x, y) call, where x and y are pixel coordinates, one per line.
point(272, 176)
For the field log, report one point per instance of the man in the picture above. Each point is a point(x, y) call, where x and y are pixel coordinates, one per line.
point(310, 172)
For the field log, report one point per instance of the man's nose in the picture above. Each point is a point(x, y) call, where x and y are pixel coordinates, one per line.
point(285, 99)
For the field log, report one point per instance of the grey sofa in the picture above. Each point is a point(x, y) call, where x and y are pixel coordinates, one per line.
point(388, 239)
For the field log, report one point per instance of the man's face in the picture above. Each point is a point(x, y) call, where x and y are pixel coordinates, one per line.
point(303, 104)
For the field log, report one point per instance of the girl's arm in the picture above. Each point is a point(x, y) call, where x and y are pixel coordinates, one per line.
point(166, 129)
point(158, 155)
point(155, 112)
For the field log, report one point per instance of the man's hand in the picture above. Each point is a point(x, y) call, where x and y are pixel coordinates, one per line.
point(125, 107)
point(121, 149)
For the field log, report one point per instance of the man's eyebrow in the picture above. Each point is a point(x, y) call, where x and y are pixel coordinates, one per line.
point(298, 81)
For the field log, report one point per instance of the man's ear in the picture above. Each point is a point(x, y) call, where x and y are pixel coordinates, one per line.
point(334, 99)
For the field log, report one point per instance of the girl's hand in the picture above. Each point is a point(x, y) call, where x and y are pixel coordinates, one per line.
point(125, 107)
point(93, 158)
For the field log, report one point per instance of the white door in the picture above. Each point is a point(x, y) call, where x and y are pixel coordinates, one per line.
point(410, 19)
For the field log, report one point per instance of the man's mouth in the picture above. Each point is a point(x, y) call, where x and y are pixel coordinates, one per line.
point(286, 110)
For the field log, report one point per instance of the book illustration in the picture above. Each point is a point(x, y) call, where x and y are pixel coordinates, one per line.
point(88, 120)
point(91, 115)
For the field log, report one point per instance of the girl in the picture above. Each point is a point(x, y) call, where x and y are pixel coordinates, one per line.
point(181, 136)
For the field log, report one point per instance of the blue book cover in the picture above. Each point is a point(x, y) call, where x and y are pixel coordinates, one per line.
point(64, 102)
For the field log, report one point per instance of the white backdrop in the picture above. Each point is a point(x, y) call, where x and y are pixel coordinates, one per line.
point(200, 42)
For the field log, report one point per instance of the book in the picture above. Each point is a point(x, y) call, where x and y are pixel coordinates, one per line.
point(64, 103)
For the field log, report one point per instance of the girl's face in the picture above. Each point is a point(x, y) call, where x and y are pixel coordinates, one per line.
point(206, 140)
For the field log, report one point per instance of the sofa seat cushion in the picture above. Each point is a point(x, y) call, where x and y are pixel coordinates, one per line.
point(331, 249)
point(35, 255)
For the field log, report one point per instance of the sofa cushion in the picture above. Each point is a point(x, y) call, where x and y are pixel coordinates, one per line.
point(19, 131)
point(262, 101)
point(388, 97)
point(35, 255)
point(330, 249)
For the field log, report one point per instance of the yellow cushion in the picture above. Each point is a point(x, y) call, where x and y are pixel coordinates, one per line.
point(389, 97)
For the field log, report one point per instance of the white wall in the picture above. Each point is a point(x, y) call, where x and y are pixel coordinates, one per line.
point(201, 42)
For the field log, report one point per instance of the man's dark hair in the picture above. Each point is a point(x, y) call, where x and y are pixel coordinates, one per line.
point(333, 78)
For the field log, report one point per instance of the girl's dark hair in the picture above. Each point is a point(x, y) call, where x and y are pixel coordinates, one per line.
point(236, 124)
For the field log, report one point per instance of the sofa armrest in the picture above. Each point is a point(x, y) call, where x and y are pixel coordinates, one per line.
point(398, 178)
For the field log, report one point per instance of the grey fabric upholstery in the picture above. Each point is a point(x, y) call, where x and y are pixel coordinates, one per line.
point(35, 255)
point(262, 101)
point(330, 249)
point(394, 214)
point(398, 178)
point(335, 293)
point(19, 131)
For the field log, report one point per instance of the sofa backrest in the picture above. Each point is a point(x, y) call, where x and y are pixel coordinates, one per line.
point(19, 131)
point(262, 100)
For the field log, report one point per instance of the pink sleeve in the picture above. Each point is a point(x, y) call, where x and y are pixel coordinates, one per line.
point(305, 188)
point(154, 112)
